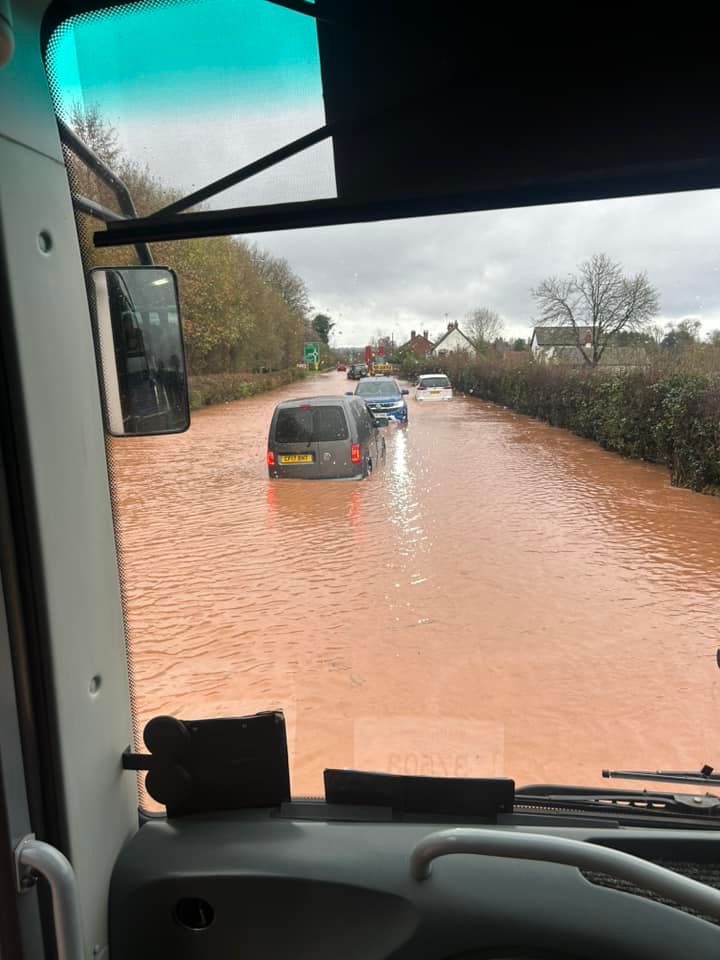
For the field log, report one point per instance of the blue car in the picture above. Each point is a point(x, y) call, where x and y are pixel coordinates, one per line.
point(384, 396)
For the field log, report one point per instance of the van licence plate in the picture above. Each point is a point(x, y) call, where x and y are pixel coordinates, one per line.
point(295, 458)
point(436, 393)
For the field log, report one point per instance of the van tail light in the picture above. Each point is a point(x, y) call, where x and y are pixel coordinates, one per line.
point(355, 455)
point(421, 387)
point(271, 458)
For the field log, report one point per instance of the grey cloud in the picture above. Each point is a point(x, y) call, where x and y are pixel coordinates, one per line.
point(411, 273)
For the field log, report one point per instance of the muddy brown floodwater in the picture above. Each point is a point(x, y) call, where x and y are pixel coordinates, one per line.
point(504, 598)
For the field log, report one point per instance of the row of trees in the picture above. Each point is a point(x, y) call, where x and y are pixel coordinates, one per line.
point(243, 309)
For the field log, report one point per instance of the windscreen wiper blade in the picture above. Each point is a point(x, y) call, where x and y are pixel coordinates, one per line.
point(617, 801)
point(704, 776)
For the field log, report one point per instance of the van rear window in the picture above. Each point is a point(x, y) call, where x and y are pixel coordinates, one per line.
point(311, 424)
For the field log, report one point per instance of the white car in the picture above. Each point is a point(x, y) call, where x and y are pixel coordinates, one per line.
point(433, 386)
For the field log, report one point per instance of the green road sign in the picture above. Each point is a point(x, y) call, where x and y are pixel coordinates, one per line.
point(311, 353)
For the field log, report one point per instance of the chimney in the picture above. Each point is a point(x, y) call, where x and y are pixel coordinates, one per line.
point(425, 334)
point(450, 326)
point(412, 334)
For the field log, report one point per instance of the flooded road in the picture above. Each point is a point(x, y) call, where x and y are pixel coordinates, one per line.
point(504, 599)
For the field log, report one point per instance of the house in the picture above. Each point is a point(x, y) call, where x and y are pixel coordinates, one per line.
point(453, 341)
point(549, 343)
point(419, 344)
point(614, 359)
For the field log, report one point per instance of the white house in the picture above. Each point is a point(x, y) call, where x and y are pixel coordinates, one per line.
point(559, 345)
point(552, 343)
point(453, 341)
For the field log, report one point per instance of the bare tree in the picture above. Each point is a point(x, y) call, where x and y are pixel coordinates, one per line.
point(597, 302)
point(483, 326)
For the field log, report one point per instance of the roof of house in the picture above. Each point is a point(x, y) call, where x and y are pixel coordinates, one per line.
point(560, 336)
point(419, 342)
point(454, 329)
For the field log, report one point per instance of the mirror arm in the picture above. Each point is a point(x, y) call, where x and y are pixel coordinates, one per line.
point(94, 209)
point(101, 170)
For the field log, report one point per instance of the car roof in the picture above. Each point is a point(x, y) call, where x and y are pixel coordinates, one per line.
point(315, 401)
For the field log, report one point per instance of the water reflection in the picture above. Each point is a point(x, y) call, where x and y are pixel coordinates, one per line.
point(403, 479)
point(325, 514)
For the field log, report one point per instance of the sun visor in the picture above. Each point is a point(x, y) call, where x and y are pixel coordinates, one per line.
point(438, 100)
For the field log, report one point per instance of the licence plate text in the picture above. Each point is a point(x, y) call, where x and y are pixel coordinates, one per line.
point(295, 458)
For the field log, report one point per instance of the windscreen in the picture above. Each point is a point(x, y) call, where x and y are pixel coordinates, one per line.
point(521, 581)
point(308, 424)
point(378, 388)
point(434, 382)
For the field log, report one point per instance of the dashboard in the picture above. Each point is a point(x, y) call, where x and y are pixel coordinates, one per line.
point(272, 884)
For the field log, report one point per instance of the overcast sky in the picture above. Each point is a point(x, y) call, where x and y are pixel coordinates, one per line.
point(399, 275)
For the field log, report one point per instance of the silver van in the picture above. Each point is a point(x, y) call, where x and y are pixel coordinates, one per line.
point(325, 438)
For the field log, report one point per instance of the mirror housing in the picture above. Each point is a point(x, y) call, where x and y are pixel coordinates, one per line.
point(404, 393)
point(349, 393)
point(140, 350)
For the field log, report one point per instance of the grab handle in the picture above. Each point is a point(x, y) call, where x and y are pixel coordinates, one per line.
point(571, 853)
point(33, 857)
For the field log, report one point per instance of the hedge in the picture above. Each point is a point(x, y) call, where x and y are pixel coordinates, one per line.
point(212, 388)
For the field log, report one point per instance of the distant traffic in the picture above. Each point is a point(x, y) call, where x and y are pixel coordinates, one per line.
point(339, 437)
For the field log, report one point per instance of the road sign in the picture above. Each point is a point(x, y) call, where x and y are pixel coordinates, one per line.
point(311, 353)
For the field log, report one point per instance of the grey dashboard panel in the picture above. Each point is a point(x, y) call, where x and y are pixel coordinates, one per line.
point(279, 888)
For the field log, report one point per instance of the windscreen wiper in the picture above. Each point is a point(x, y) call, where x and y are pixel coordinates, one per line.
point(617, 801)
point(704, 776)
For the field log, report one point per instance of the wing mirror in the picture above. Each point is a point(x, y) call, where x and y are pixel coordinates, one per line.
point(140, 350)
point(404, 393)
point(349, 393)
